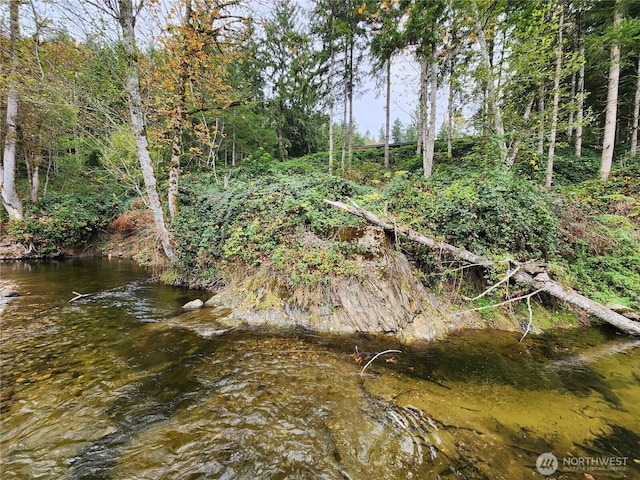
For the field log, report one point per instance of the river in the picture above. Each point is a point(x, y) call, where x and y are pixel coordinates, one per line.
point(123, 384)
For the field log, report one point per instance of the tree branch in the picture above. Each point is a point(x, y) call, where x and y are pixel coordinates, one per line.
point(540, 281)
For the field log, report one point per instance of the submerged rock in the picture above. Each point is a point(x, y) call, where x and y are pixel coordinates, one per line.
point(193, 304)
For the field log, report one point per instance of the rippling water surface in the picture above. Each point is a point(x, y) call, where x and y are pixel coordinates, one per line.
point(122, 384)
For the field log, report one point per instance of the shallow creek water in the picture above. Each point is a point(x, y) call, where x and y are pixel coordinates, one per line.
point(122, 384)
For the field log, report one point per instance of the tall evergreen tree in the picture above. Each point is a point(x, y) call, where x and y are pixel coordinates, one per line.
point(287, 58)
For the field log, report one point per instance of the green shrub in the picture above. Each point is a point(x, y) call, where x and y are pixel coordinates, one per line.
point(601, 237)
point(63, 221)
point(258, 163)
point(252, 221)
point(488, 212)
point(571, 170)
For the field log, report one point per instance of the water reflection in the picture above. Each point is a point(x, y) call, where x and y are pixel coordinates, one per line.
point(120, 385)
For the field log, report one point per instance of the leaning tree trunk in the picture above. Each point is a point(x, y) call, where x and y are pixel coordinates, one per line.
point(526, 274)
point(610, 122)
point(556, 103)
point(132, 85)
point(10, 198)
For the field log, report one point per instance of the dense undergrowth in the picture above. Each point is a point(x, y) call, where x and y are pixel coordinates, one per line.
point(271, 214)
point(264, 219)
point(67, 220)
point(587, 232)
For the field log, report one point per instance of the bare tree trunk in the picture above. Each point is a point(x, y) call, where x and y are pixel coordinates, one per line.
point(345, 109)
point(636, 112)
point(427, 158)
point(174, 165)
point(580, 106)
point(178, 123)
point(233, 141)
point(539, 281)
point(132, 85)
point(422, 113)
point(450, 108)
point(280, 130)
point(541, 115)
point(331, 106)
point(35, 182)
point(610, 123)
point(556, 102)
point(570, 122)
point(33, 172)
point(387, 114)
point(351, 47)
point(492, 94)
point(10, 198)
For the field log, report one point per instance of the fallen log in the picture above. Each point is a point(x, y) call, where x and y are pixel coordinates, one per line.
point(539, 281)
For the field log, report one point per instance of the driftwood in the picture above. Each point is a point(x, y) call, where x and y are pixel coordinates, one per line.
point(529, 274)
point(79, 295)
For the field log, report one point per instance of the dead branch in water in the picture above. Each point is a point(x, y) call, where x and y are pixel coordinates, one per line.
point(376, 356)
point(79, 295)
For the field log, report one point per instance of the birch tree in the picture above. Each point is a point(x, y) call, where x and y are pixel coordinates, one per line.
point(556, 101)
point(10, 198)
point(493, 103)
point(193, 74)
point(384, 20)
point(580, 87)
point(636, 112)
point(422, 31)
